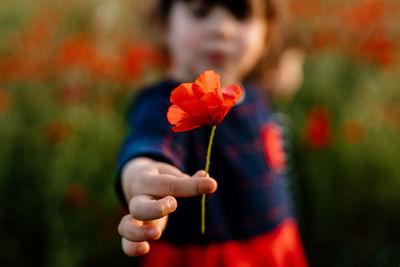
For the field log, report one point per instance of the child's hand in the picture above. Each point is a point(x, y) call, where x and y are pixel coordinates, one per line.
point(150, 188)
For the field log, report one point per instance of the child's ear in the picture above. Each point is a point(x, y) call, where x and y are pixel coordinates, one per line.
point(159, 28)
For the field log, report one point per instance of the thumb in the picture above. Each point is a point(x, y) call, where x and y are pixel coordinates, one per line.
point(202, 174)
point(159, 223)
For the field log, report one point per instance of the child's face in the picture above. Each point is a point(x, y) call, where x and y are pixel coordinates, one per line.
point(199, 40)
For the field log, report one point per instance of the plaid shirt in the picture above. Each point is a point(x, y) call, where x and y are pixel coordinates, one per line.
point(247, 161)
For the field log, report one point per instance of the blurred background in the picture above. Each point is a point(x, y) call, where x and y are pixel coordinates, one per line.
point(69, 69)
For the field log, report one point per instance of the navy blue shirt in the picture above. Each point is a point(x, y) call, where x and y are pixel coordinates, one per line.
point(252, 195)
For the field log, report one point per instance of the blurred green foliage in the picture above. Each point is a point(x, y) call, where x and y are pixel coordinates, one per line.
point(66, 74)
point(349, 186)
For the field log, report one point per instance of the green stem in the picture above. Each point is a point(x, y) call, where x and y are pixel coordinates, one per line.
point(203, 199)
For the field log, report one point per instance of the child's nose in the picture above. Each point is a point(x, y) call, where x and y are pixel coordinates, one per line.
point(222, 23)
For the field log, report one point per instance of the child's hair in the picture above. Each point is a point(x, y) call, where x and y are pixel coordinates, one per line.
point(276, 15)
point(240, 8)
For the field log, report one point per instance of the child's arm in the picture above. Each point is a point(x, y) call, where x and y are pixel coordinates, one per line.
point(150, 188)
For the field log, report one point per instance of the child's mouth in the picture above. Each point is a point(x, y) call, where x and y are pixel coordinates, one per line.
point(217, 57)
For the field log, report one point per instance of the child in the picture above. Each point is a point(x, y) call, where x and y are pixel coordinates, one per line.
point(249, 221)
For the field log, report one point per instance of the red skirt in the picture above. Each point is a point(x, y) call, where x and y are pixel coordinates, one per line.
point(280, 247)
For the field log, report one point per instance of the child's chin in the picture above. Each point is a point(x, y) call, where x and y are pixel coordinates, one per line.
point(219, 69)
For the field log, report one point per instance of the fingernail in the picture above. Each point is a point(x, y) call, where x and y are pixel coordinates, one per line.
point(172, 204)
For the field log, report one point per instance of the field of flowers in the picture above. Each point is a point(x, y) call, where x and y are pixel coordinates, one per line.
point(69, 69)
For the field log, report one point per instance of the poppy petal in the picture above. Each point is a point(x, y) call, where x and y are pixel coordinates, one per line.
point(176, 114)
point(215, 112)
point(186, 125)
point(202, 102)
point(197, 90)
point(182, 93)
point(208, 81)
point(182, 121)
point(194, 108)
point(211, 99)
point(231, 94)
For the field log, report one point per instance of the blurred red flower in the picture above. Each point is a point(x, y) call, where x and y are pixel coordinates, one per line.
point(380, 49)
point(72, 94)
point(353, 131)
point(75, 50)
point(274, 147)
point(29, 50)
point(135, 58)
point(390, 114)
point(362, 16)
point(5, 100)
point(38, 33)
point(326, 38)
point(80, 52)
point(318, 130)
point(202, 102)
point(57, 132)
point(306, 9)
point(75, 196)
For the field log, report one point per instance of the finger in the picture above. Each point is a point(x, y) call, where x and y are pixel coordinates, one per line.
point(134, 249)
point(135, 231)
point(147, 208)
point(164, 168)
point(167, 185)
point(160, 223)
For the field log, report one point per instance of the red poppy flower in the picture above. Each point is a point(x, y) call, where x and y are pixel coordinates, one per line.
point(202, 102)
point(318, 128)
